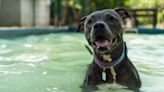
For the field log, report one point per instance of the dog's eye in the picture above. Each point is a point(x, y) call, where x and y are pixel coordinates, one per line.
point(90, 21)
point(110, 18)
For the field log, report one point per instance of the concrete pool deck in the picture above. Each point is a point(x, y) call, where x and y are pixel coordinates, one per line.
point(8, 32)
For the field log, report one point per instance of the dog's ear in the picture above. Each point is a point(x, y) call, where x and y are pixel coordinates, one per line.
point(123, 13)
point(81, 24)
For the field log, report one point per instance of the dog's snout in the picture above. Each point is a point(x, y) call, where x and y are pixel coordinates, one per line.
point(99, 26)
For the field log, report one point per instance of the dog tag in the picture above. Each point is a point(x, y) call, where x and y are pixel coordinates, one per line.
point(104, 75)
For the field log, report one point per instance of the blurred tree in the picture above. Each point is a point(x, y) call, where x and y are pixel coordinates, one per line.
point(143, 3)
point(102, 4)
point(65, 12)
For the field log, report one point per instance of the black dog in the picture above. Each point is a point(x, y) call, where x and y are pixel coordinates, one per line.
point(103, 30)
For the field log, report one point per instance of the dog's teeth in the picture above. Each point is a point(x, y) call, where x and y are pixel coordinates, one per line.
point(101, 43)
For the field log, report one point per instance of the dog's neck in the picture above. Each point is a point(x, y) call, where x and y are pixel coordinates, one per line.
point(110, 59)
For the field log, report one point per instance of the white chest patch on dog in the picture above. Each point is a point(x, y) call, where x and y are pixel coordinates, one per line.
point(111, 86)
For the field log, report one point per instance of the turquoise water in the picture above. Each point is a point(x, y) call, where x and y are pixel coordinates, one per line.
point(57, 62)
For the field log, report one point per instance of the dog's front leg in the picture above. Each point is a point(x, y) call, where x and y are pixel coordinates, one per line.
point(89, 85)
point(88, 88)
point(92, 78)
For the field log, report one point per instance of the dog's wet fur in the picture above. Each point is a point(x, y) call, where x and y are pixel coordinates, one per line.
point(103, 30)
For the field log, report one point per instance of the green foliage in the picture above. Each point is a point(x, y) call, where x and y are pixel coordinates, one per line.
point(86, 6)
point(101, 4)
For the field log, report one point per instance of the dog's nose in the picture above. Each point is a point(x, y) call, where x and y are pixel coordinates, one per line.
point(99, 26)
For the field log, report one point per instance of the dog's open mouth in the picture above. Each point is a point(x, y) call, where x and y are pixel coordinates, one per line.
point(103, 44)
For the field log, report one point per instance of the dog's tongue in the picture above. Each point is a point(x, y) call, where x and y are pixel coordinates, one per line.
point(102, 43)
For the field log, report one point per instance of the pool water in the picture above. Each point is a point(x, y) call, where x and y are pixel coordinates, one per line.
point(58, 62)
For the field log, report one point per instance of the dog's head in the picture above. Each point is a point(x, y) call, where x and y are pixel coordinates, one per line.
point(103, 29)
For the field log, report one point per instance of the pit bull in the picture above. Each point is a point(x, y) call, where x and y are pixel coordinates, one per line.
point(104, 32)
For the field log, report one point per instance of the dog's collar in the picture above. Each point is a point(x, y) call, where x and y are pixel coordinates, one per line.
point(113, 63)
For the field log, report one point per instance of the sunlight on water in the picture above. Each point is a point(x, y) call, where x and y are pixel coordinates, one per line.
point(57, 63)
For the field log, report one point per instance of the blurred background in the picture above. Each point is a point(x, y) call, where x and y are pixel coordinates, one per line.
point(31, 13)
